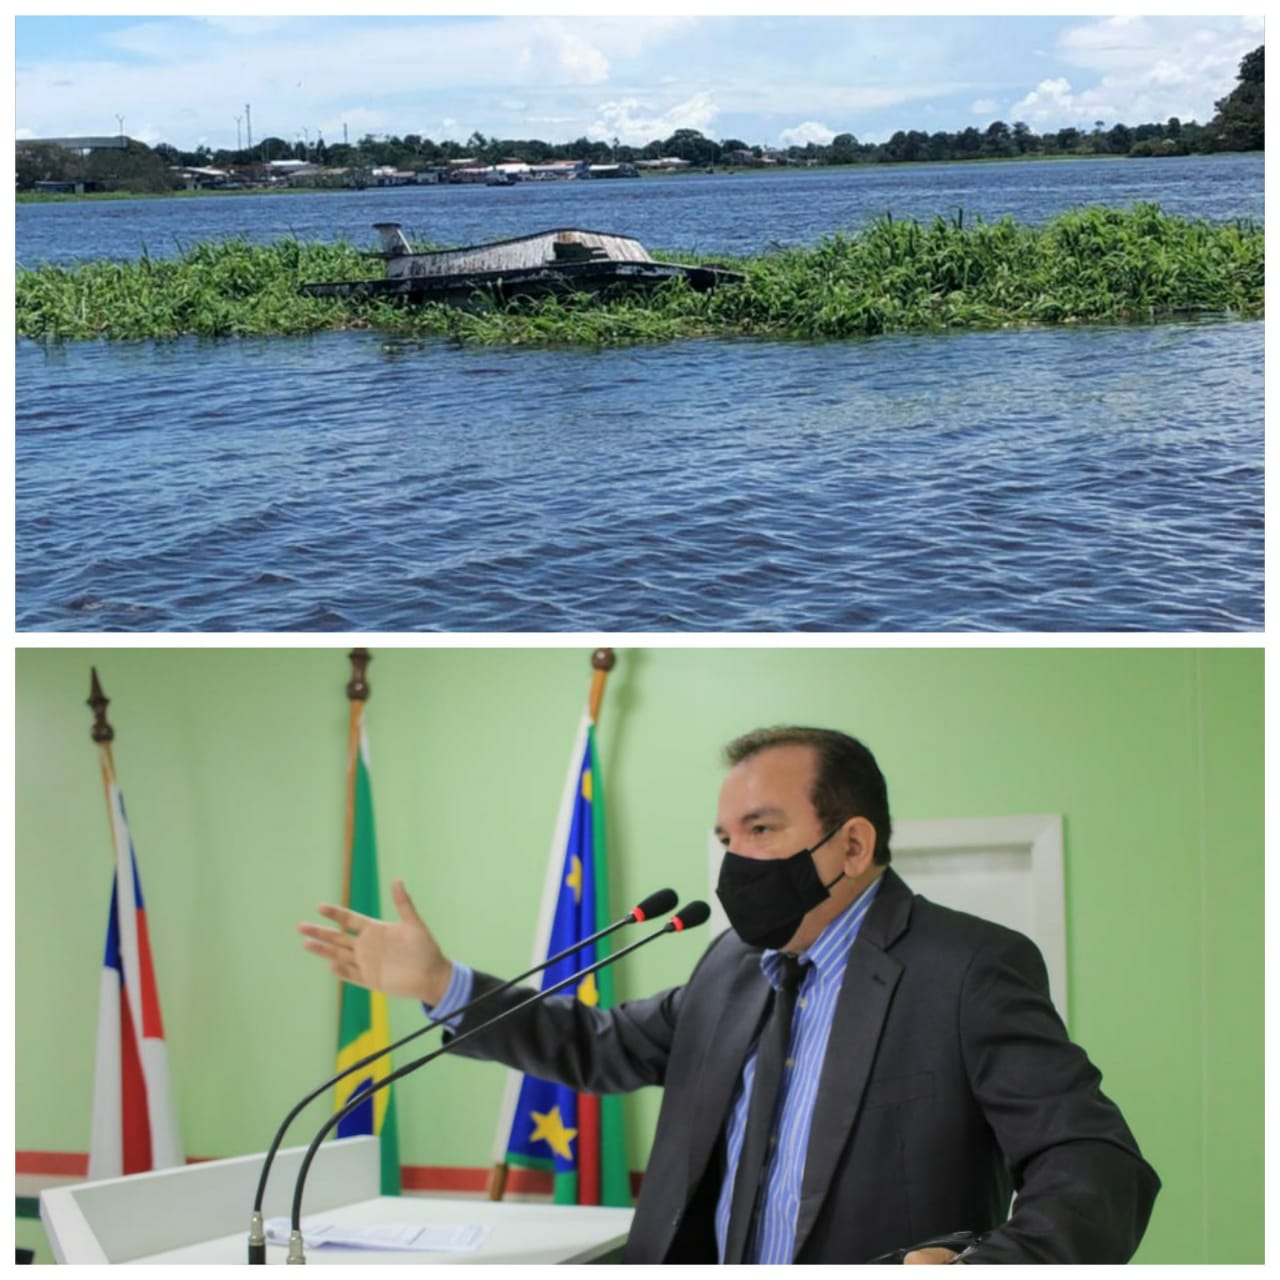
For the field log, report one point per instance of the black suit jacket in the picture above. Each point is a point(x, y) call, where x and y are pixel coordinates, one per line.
point(948, 1084)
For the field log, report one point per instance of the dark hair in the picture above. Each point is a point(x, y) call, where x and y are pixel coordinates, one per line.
point(848, 783)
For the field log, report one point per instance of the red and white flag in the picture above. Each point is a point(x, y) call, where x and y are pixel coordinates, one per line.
point(135, 1125)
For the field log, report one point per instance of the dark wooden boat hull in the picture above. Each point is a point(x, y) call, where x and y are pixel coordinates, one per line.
point(529, 282)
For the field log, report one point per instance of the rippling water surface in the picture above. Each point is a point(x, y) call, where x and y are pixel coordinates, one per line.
point(734, 214)
point(1091, 478)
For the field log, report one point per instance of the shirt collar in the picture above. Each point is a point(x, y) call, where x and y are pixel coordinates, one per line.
point(830, 949)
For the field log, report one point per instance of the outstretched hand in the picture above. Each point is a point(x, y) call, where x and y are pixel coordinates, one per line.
point(399, 958)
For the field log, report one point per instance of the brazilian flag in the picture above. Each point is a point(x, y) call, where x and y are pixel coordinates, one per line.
point(363, 1024)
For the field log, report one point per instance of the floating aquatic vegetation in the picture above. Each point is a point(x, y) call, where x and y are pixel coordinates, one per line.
point(1087, 265)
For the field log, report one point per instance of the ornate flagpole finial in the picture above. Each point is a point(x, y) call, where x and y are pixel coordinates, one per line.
point(602, 661)
point(98, 701)
point(358, 687)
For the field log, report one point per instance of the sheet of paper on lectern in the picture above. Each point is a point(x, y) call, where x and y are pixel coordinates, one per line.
point(422, 1238)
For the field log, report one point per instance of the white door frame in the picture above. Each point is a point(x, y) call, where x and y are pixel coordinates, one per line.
point(1035, 840)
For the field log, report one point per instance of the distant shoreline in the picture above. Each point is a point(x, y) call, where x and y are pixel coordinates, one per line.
point(41, 197)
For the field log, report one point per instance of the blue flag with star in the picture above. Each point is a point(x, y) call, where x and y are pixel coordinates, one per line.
point(576, 1136)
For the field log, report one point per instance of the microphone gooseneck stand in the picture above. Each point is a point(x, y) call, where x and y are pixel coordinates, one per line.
point(694, 914)
point(655, 904)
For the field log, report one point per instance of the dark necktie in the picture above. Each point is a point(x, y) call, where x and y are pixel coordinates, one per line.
point(757, 1142)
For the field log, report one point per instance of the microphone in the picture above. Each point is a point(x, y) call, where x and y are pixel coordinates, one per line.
point(654, 905)
point(694, 914)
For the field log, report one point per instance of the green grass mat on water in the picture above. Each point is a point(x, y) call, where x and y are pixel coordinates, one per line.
point(1087, 265)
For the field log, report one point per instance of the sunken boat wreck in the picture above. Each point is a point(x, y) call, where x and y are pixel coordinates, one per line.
point(561, 261)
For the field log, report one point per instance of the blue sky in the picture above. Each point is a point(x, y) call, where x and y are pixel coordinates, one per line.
point(770, 80)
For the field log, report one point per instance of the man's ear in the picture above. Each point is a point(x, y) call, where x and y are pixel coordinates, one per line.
point(859, 846)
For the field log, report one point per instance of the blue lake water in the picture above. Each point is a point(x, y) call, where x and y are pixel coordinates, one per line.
point(1053, 479)
point(733, 214)
point(1090, 478)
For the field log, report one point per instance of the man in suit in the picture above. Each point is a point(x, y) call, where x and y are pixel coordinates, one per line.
point(847, 1071)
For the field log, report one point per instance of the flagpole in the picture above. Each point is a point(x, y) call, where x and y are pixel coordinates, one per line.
point(106, 1140)
point(358, 692)
point(146, 1083)
point(602, 662)
point(102, 733)
point(363, 1018)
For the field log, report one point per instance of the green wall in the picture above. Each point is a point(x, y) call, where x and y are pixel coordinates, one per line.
point(232, 761)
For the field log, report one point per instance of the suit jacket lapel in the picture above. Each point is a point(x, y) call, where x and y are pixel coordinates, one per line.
point(722, 1061)
point(866, 993)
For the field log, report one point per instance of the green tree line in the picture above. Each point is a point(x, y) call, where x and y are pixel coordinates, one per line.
point(1237, 125)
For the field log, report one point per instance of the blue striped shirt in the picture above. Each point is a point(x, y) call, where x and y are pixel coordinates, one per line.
point(824, 963)
point(457, 994)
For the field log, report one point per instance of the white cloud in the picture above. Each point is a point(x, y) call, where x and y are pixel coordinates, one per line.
point(1048, 99)
point(154, 40)
point(1128, 50)
point(162, 39)
point(580, 62)
point(635, 78)
point(1139, 69)
point(630, 121)
point(255, 28)
point(1148, 70)
point(1112, 44)
point(803, 134)
point(560, 56)
point(299, 73)
point(1054, 103)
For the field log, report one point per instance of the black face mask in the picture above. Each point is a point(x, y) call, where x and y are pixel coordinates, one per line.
point(767, 898)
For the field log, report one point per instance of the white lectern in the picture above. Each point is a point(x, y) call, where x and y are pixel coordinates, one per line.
point(200, 1213)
